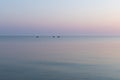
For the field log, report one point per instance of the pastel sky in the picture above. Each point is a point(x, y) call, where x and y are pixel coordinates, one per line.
point(65, 17)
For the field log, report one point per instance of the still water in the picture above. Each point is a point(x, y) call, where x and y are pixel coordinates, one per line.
point(65, 58)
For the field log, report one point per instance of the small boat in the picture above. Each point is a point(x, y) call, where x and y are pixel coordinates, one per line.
point(53, 36)
point(58, 36)
point(37, 36)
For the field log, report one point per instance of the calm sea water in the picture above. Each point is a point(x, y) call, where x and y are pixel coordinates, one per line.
point(65, 58)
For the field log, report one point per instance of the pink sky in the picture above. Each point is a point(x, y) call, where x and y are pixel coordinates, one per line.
point(75, 17)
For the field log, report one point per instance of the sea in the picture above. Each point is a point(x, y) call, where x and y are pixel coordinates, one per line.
point(59, 58)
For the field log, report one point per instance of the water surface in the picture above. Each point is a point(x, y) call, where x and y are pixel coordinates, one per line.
point(65, 58)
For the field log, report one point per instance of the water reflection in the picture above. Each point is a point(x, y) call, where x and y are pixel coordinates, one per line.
point(60, 59)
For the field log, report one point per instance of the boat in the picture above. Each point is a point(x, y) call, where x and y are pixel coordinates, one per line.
point(37, 36)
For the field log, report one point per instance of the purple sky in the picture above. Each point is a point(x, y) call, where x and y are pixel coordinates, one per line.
point(65, 17)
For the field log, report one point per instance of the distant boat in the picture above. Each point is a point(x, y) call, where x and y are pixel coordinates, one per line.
point(58, 36)
point(37, 36)
point(53, 36)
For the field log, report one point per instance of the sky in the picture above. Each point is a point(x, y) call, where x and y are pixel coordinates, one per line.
point(63, 17)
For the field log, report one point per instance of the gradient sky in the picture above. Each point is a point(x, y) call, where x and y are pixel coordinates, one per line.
point(64, 17)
